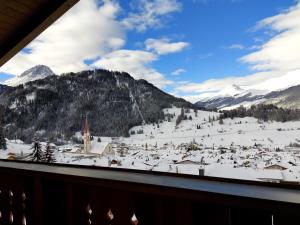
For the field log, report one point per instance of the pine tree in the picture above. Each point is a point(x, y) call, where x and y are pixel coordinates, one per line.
point(2, 139)
point(196, 112)
point(2, 136)
point(49, 154)
point(37, 154)
point(221, 122)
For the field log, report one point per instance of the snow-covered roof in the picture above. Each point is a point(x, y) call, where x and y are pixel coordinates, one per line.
point(228, 171)
point(98, 147)
point(281, 165)
point(269, 174)
point(187, 161)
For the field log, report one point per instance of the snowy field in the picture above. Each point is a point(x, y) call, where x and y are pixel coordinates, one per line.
point(240, 148)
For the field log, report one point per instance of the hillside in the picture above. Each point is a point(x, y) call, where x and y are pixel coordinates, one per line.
point(289, 98)
point(55, 107)
point(3, 88)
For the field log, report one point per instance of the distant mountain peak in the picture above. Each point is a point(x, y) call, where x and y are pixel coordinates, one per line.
point(38, 70)
point(35, 73)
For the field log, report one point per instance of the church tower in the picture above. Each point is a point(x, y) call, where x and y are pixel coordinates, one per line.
point(86, 137)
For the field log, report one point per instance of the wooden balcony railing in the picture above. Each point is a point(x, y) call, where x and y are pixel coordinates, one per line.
point(58, 194)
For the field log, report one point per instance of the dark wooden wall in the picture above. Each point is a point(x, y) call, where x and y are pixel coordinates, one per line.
point(44, 194)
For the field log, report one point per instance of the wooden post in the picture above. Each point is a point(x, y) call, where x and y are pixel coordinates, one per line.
point(38, 201)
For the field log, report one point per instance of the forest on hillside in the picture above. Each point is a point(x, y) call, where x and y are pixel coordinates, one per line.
point(263, 112)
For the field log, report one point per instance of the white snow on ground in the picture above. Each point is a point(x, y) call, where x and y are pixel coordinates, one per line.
point(31, 96)
point(241, 148)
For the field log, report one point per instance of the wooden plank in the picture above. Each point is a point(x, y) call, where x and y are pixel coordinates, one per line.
point(38, 201)
point(250, 216)
point(69, 204)
point(6, 22)
point(145, 209)
point(14, 14)
point(4, 28)
point(20, 8)
point(54, 202)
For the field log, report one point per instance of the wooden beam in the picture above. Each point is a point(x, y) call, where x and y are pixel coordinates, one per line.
point(34, 26)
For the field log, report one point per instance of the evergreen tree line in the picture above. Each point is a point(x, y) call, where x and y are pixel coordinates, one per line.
point(38, 155)
point(263, 112)
point(180, 117)
point(2, 135)
point(183, 116)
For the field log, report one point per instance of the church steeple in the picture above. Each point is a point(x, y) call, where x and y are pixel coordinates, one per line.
point(86, 137)
point(86, 126)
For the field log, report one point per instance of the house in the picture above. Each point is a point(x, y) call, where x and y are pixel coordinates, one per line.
point(187, 162)
point(270, 175)
point(275, 167)
point(103, 149)
point(11, 156)
point(155, 156)
point(114, 161)
point(108, 150)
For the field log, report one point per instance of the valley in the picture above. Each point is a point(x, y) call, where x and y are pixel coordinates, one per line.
point(108, 119)
point(239, 148)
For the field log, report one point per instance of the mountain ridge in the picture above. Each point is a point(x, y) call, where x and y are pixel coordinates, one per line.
point(286, 98)
point(55, 107)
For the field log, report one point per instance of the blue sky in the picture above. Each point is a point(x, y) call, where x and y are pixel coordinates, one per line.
point(211, 28)
point(172, 43)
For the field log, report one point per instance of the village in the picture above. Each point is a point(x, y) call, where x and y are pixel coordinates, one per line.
point(200, 145)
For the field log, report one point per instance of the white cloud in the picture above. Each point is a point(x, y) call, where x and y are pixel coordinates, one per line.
point(261, 82)
point(163, 46)
point(150, 13)
point(214, 85)
point(85, 32)
point(93, 30)
point(178, 72)
point(277, 60)
point(281, 52)
point(235, 46)
point(136, 63)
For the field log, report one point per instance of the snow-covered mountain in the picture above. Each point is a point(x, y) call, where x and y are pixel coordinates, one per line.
point(232, 96)
point(273, 89)
point(57, 105)
point(34, 73)
point(233, 90)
